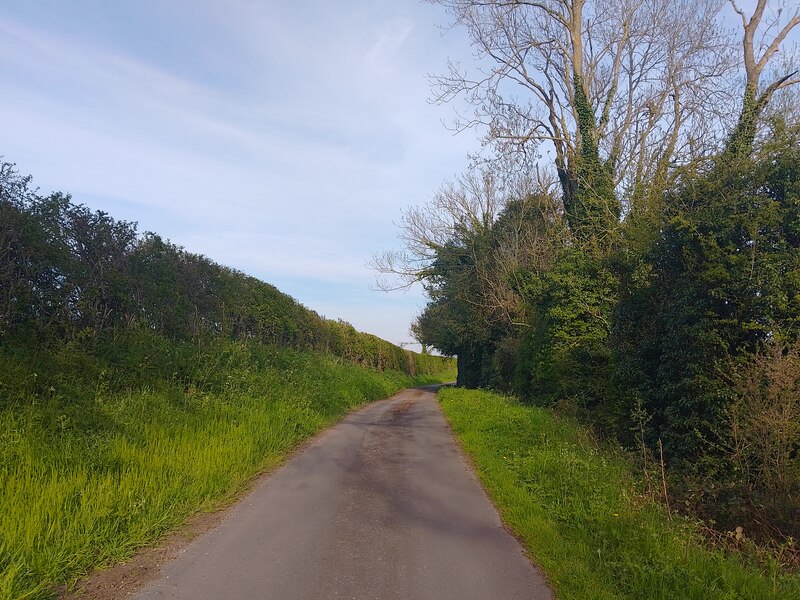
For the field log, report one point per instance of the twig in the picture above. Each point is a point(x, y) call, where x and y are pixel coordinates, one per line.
point(664, 478)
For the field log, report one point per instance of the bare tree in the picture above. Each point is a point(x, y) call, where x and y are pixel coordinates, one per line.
point(527, 237)
point(504, 224)
point(619, 92)
point(761, 41)
point(460, 211)
point(612, 84)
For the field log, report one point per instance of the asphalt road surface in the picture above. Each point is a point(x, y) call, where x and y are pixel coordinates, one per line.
point(380, 506)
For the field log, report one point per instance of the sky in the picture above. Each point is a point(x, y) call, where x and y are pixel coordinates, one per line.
point(282, 139)
point(279, 138)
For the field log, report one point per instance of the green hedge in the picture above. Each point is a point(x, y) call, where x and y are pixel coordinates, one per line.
point(68, 273)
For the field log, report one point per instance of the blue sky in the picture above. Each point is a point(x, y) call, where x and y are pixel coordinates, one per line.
point(279, 138)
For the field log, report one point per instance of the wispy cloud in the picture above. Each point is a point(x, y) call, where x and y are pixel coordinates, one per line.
point(279, 139)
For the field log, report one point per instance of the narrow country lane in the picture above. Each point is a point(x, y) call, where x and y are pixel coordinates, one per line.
point(381, 506)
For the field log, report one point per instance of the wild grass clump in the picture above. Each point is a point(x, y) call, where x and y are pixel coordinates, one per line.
point(100, 454)
point(582, 515)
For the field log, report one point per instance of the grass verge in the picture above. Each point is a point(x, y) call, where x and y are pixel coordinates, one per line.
point(577, 509)
point(88, 474)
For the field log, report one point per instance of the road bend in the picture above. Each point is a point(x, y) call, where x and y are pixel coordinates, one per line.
point(381, 506)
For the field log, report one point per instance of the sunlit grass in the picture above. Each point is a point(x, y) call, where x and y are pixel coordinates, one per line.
point(84, 481)
point(576, 507)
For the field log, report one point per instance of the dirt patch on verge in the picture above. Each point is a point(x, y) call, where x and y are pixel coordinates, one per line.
point(123, 580)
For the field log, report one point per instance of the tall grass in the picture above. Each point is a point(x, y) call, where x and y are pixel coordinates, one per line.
point(94, 465)
point(577, 508)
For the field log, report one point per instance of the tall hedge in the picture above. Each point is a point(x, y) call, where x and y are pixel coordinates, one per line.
point(68, 273)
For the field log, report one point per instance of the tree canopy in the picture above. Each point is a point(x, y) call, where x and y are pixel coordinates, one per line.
point(632, 235)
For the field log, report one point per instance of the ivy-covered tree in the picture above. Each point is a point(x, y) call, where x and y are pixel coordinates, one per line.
point(722, 279)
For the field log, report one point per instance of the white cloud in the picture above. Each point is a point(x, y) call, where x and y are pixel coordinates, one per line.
point(283, 145)
point(327, 260)
point(382, 58)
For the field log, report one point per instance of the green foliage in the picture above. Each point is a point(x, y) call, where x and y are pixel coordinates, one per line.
point(475, 285)
point(580, 512)
point(740, 143)
point(566, 356)
point(591, 206)
point(140, 382)
point(681, 259)
point(632, 326)
point(67, 273)
point(454, 322)
point(104, 446)
point(721, 279)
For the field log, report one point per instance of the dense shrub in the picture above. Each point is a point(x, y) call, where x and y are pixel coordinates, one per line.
point(68, 274)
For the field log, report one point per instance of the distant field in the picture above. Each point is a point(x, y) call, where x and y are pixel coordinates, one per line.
point(89, 471)
point(577, 508)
